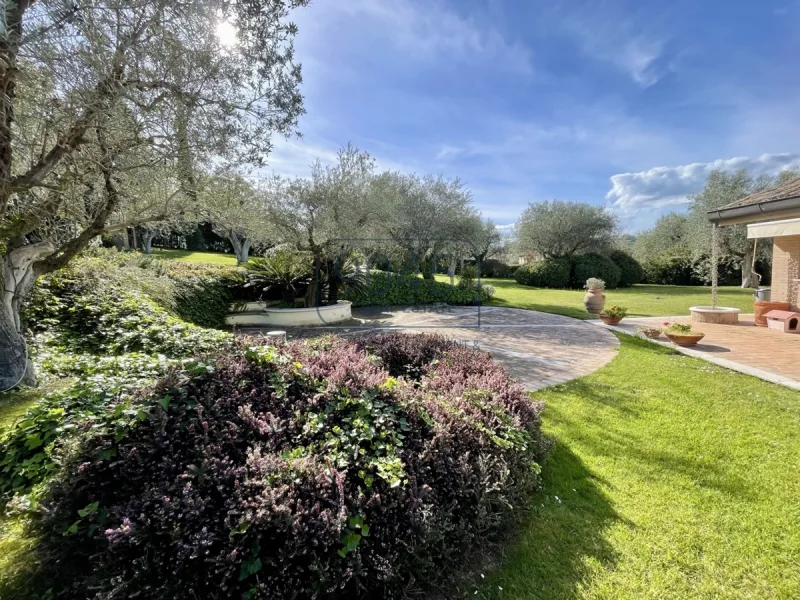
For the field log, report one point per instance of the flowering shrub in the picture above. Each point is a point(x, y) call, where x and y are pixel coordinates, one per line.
point(319, 469)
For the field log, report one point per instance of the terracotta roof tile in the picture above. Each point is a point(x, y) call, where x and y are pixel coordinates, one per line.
point(790, 189)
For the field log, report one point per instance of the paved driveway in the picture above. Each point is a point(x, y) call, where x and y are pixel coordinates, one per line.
point(538, 349)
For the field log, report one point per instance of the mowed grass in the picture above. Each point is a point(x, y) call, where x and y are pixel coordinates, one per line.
point(641, 300)
point(213, 258)
point(669, 478)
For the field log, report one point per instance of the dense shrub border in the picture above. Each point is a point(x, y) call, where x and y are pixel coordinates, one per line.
point(392, 289)
point(196, 293)
point(548, 273)
point(318, 469)
point(631, 272)
point(594, 265)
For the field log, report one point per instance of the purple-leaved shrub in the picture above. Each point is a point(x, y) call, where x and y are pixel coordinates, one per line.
point(320, 469)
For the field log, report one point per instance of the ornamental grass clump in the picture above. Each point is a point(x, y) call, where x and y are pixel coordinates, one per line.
point(320, 469)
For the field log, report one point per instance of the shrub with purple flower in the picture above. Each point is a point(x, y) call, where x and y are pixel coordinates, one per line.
point(320, 469)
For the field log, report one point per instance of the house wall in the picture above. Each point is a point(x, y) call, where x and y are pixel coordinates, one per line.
point(786, 270)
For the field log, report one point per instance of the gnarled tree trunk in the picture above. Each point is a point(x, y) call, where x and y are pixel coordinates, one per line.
point(147, 241)
point(18, 277)
point(241, 246)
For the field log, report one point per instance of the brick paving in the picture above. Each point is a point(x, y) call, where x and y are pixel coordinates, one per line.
point(538, 349)
point(746, 347)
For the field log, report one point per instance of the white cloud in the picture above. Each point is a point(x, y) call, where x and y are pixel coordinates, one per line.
point(634, 194)
point(631, 43)
point(428, 30)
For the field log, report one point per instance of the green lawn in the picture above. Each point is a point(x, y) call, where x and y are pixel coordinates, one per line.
point(641, 300)
point(669, 478)
point(214, 258)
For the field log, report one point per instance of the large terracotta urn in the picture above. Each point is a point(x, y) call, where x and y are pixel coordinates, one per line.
point(594, 300)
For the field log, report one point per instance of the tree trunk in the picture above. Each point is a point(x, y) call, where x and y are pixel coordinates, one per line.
point(240, 246)
point(451, 268)
point(147, 241)
point(334, 281)
point(18, 277)
point(748, 279)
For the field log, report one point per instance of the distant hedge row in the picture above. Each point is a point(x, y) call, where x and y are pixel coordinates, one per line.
point(390, 289)
point(618, 269)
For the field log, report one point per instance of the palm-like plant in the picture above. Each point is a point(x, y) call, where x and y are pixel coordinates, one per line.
point(283, 269)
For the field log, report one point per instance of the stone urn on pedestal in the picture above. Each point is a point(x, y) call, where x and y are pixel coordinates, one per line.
point(594, 300)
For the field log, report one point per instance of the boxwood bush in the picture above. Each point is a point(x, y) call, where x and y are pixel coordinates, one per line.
point(317, 469)
point(594, 265)
point(631, 272)
point(548, 273)
point(392, 289)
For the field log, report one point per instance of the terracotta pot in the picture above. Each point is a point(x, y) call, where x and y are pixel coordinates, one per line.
point(610, 320)
point(653, 334)
point(762, 308)
point(684, 339)
point(594, 300)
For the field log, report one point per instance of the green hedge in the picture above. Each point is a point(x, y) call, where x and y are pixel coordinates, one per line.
point(670, 269)
point(631, 271)
point(199, 294)
point(594, 265)
point(391, 289)
point(548, 273)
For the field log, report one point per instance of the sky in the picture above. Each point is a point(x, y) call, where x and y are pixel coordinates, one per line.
point(626, 105)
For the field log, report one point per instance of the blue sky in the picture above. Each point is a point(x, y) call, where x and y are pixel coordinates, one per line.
point(621, 104)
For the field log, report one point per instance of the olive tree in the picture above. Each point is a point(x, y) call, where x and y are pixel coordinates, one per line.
point(92, 93)
point(236, 211)
point(325, 213)
point(560, 229)
point(426, 216)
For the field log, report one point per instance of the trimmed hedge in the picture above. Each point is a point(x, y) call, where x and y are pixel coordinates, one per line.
point(391, 289)
point(319, 469)
point(548, 273)
point(670, 269)
point(631, 272)
point(594, 265)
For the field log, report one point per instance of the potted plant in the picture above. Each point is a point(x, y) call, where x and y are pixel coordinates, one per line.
point(649, 332)
point(613, 315)
point(594, 300)
point(682, 335)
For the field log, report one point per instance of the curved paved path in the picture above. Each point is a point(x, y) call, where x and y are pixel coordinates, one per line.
point(538, 349)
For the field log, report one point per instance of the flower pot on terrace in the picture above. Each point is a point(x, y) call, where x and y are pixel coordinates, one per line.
point(594, 300)
point(610, 320)
point(684, 339)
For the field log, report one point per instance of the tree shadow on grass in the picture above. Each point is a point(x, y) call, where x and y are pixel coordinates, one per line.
point(551, 554)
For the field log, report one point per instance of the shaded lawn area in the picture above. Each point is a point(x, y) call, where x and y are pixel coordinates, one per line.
point(213, 258)
point(641, 300)
point(669, 478)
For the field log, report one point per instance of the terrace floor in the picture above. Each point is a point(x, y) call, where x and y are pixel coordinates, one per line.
point(538, 349)
point(758, 351)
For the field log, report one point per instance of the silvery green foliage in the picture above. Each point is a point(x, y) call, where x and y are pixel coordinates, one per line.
point(564, 229)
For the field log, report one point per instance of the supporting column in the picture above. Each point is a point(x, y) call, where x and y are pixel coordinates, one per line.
point(714, 263)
